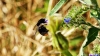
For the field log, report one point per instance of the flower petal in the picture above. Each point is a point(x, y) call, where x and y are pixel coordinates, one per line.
point(67, 20)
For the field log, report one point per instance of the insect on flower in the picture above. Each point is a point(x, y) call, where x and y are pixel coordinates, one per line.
point(41, 27)
point(67, 20)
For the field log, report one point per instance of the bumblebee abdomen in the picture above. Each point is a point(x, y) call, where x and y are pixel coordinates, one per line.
point(42, 30)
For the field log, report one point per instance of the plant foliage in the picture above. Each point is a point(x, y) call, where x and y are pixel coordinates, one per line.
point(74, 18)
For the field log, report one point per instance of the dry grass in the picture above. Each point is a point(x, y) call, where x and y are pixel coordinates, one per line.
point(17, 19)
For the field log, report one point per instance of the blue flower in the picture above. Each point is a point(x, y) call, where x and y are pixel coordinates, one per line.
point(67, 20)
point(90, 54)
point(96, 54)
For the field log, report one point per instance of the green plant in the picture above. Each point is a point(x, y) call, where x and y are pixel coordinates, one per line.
point(75, 14)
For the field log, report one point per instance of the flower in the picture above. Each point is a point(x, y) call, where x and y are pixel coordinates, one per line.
point(67, 20)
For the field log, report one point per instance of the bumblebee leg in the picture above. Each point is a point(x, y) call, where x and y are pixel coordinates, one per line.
point(35, 30)
point(34, 27)
point(35, 33)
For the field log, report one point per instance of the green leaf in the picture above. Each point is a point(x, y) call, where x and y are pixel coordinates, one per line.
point(55, 42)
point(88, 2)
point(96, 7)
point(66, 53)
point(93, 32)
point(76, 41)
point(57, 6)
point(58, 40)
point(62, 41)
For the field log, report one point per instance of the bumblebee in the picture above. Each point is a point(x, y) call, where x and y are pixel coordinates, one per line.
point(41, 27)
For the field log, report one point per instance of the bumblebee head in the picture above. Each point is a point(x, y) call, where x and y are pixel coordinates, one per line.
point(41, 21)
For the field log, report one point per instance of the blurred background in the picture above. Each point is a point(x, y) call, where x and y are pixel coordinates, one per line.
point(17, 20)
